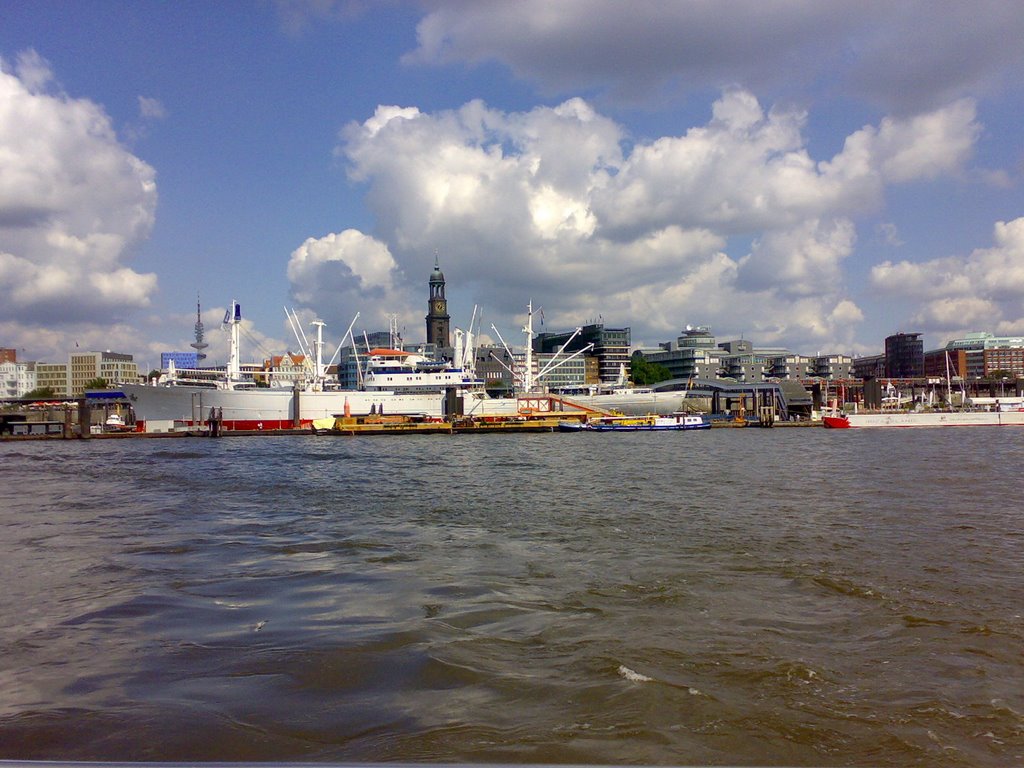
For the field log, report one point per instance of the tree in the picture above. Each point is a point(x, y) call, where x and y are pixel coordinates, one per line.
point(644, 373)
point(41, 393)
point(97, 383)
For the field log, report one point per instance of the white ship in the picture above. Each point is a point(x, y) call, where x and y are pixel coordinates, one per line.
point(978, 412)
point(394, 382)
point(1006, 414)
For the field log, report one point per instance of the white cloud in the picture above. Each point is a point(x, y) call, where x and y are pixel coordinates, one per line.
point(342, 273)
point(747, 170)
point(802, 262)
point(73, 202)
point(33, 71)
point(909, 56)
point(560, 205)
point(359, 262)
point(962, 293)
point(925, 146)
point(151, 109)
point(926, 280)
point(963, 313)
point(845, 313)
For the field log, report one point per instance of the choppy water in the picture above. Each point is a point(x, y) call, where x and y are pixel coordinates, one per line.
point(766, 597)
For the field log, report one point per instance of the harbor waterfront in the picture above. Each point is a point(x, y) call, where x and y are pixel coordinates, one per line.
point(755, 597)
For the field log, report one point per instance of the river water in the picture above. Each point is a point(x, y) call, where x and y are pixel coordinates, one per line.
point(741, 597)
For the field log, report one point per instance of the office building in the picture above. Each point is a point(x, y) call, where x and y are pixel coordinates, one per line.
point(611, 347)
point(53, 376)
point(984, 354)
point(112, 367)
point(904, 356)
point(181, 360)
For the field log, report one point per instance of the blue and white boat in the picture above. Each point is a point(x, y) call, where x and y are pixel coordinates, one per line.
point(650, 423)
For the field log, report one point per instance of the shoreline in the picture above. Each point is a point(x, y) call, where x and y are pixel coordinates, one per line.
point(547, 425)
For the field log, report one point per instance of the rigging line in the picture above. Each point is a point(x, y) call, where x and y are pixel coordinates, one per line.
point(256, 343)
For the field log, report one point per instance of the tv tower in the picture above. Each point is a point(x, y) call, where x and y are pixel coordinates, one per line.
point(199, 345)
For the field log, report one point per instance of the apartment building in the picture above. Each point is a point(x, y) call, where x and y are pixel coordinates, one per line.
point(16, 379)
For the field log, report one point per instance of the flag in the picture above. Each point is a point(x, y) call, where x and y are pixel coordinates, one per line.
point(542, 317)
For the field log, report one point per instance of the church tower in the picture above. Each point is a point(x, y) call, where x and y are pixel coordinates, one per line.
point(438, 318)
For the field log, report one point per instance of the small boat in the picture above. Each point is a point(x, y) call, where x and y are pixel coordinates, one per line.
point(835, 422)
point(650, 423)
point(115, 423)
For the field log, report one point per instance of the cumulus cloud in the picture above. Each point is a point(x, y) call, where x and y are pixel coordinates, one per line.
point(958, 294)
point(347, 272)
point(922, 146)
point(746, 170)
point(802, 262)
point(338, 262)
point(909, 56)
point(561, 205)
point(73, 203)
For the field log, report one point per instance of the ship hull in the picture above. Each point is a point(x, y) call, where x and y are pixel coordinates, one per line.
point(936, 419)
point(160, 408)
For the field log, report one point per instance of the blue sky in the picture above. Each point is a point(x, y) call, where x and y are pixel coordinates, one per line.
point(814, 175)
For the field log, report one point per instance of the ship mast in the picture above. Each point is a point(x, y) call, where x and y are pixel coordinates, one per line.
point(394, 337)
point(233, 317)
point(318, 353)
point(528, 373)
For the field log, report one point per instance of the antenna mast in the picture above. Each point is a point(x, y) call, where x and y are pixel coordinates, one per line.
point(199, 344)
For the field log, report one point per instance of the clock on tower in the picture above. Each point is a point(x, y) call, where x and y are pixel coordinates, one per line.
point(437, 315)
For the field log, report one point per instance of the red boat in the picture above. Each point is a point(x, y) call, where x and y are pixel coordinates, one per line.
point(835, 422)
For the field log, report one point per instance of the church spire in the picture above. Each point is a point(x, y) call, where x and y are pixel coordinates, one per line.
point(438, 319)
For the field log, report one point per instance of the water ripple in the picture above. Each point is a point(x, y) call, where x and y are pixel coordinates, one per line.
point(738, 597)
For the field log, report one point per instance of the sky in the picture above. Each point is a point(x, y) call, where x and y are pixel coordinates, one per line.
point(814, 175)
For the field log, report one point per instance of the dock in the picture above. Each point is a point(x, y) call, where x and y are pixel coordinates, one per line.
point(350, 426)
